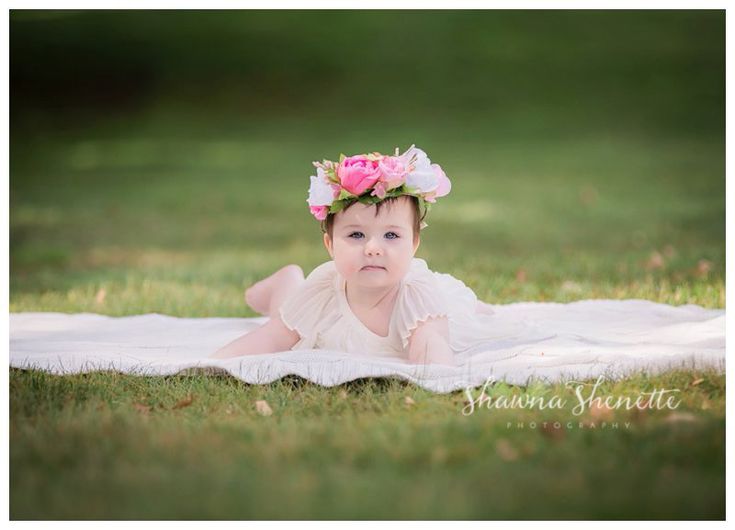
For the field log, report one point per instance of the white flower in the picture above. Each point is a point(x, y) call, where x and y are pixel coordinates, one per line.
point(320, 192)
point(421, 175)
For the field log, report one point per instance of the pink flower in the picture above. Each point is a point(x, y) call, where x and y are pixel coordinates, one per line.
point(393, 172)
point(444, 186)
point(357, 174)
point(380, 190)
point(320, 212)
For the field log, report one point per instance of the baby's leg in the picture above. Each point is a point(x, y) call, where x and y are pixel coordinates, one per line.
point(266, 296)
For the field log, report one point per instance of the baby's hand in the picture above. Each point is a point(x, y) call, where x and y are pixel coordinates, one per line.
point(429, 343)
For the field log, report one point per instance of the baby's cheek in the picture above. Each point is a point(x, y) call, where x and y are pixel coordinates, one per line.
point(346, 265)
point(400, 271)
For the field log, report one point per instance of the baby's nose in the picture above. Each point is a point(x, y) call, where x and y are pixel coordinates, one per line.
point(373, 247)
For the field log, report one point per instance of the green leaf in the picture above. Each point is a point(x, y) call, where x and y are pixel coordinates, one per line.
point(338, 206)
point(331, 175)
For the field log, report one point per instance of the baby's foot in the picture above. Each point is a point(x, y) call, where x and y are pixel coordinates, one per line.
point(258, 296)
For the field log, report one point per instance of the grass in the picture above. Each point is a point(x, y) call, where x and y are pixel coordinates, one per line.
point(183, 227)
point(356, 451)
point(579, 171)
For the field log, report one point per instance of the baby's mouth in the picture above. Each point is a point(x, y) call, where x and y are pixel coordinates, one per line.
point(373, 268)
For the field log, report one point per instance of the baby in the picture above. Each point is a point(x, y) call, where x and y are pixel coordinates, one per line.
point(374, 297)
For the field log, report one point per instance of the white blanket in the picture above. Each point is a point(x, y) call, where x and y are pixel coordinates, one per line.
point(573, 341)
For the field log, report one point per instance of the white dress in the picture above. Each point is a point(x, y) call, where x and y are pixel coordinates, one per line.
point(319, 312)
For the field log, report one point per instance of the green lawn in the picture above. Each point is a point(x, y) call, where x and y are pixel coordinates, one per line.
point(110, 446)
point(160, 163)
point(182, 225)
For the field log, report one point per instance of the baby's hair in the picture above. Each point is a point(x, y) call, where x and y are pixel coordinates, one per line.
point(328, 223)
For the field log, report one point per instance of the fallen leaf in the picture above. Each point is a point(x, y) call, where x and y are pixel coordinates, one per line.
point(703, 268)
point(697, 381)
point(263, 408)
point(100, 297)
point(143, 409)
point(706, 405)
point(655, 261)
point(506, 451)
point(188, 400)
point(408, 401)
point(600, 412)
point(343, 394)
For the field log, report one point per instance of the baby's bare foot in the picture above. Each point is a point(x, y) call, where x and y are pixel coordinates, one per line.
point(258, 296)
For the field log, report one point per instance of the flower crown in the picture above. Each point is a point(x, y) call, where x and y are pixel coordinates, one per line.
point(372, 177)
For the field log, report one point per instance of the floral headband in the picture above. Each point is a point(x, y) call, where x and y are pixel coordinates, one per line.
point(372, 177)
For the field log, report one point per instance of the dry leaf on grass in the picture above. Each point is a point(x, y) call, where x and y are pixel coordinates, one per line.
point(263, 408)
point(697, 381)
point(143, 409)
point(703, 268)
point(600, 412)
point(188, 400)
point(408, 401)
point(655, 261)
point(100, 297)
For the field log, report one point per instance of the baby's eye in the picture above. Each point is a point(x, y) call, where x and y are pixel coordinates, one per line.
point(391, 235)
point(357, 234)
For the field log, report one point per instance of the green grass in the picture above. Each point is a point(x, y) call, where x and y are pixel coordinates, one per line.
point(178, 232)
point(112, 446)
point(182, 224)
point(166, 167)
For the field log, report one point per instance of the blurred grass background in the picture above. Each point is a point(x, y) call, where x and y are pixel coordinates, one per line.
point(164, 156)
point(159, 162)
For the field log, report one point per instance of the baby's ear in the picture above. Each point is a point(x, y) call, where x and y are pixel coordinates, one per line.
point(328, 244)
point(416, 243)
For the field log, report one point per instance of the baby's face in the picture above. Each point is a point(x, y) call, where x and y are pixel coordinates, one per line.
point(372, 251)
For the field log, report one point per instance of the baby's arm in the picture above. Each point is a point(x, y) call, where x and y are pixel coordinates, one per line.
point(271, 337)
point(429, 343)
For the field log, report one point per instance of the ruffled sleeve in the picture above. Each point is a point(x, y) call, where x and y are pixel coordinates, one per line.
point(304, 309)
point(420, 298)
